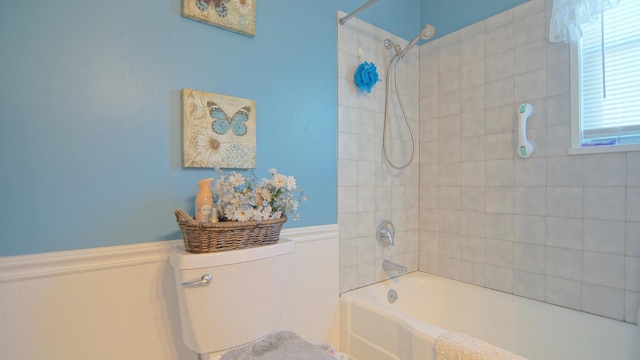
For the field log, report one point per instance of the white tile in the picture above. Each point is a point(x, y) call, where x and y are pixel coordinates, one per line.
point(603, 269)
point(449, 245)
point(499, 253)
point(498, 20)
point(632, 271)
point(605, 169)
point(633, 239)
point(366, 173)
point(449, 221)
point(499, 226)
point(449, 267)
point(472, 149)
point(473, 249)
point(472, 173)
point(449, 150)
point(472, 123)
point(348, 120)
point(564, 232)
point(556, 53)
point(348, 146)
point(557, 80)
point(472, 49)
point(530, 229)
point(499, 199)
point(631, 305)
point(498, 39)
point(347, 173)
point(499, 173)
point(529, 200)
point(564, 201)
point(449, 127)
point(529, 57)
point(604, 203)
point(529, 172)
point(558, 110)
point(449, 197)
point(499, 92)
point(633, 203)
point(472, 198)
point(449, 103)
point(564, 171)
point(529, 285)
point(366, 198)
point(499, 66)
point(472, 98)
point(347, 199)
point(500, 119)
point(563, 292)
point(530, 257)
point(603, 301)
point(633, 168)
point(449, 174)
point(472, 73)
point(529, 86)
point(604, 236)
point(499, 146)
point(499, 278)
point(472, 272)
point(558, 140)
point(530, 29)
point(472, 223)
point(564, 263)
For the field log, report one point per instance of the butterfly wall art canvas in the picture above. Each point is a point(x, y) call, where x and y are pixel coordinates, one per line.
point(218, 131)
point(234, 15)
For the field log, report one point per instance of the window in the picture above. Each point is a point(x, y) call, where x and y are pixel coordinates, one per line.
point(606, 82)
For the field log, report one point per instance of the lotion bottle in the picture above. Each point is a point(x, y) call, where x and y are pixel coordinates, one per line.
point(204, 201)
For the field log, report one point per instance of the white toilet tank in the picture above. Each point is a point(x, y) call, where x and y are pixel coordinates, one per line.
point(242, 302)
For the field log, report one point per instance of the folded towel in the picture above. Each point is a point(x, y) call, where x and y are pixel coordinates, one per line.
point(280, 345)
point(457, 346)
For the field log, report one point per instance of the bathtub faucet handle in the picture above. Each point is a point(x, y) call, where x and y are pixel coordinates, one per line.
point(385, 234)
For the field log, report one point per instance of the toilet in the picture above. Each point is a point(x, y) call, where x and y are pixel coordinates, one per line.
point(232, 298)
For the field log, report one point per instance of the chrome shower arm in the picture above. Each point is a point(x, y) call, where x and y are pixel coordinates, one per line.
point(346, 18)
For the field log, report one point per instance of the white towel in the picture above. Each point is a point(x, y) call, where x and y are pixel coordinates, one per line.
point(457, 346)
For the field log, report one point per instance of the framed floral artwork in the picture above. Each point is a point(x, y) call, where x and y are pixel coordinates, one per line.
point(234, 15)
point(218, 131)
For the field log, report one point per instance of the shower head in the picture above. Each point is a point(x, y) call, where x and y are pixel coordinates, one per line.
point(426, 33)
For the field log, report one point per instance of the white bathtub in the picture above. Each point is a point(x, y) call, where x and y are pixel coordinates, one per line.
point(429, 305)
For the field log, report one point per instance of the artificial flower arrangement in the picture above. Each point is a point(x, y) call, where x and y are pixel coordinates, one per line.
point(239, 197)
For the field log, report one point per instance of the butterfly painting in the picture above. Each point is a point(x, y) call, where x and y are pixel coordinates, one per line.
point(211, 138)
point(234, 15)
point(222, 122)
point(219, 5)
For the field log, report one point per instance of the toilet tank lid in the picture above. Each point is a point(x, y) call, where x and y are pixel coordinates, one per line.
point(181, 259)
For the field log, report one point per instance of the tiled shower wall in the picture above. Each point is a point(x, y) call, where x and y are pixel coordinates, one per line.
point(555, 228)
point(368, 191)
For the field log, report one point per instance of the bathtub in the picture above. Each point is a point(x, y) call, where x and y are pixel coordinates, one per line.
point(371, 328)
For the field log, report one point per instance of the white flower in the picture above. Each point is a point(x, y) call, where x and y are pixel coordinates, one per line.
point(243, 198)
point(243, 6)
point(211, 146)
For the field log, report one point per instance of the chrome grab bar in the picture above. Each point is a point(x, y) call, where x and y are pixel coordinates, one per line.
point(205, 280)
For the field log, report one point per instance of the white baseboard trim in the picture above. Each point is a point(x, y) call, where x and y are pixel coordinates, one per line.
point(24, 267)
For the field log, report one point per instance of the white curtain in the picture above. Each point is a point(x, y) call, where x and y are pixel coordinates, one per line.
point(569, 15)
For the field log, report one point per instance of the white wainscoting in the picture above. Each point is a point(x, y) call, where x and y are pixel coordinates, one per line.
point(120, 302)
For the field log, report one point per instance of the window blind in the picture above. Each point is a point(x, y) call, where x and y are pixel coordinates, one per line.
point(610, 77)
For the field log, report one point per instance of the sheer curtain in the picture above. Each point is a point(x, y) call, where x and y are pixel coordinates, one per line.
point(569, 15)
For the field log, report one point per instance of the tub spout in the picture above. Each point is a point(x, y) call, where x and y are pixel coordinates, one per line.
point(391, 266)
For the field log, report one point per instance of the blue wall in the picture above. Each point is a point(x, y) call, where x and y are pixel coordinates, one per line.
point(90, 118)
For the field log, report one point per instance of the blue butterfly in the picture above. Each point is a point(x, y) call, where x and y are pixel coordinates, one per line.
point(219, 5)
point(221, 121)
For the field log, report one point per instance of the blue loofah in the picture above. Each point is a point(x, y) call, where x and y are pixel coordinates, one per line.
point(366, 76)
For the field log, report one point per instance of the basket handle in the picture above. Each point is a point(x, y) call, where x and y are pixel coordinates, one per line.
point(183, 218)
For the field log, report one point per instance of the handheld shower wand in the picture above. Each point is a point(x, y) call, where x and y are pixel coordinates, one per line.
point(426, 33)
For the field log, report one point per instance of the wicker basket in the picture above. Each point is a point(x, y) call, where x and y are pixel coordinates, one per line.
point(226, 235)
